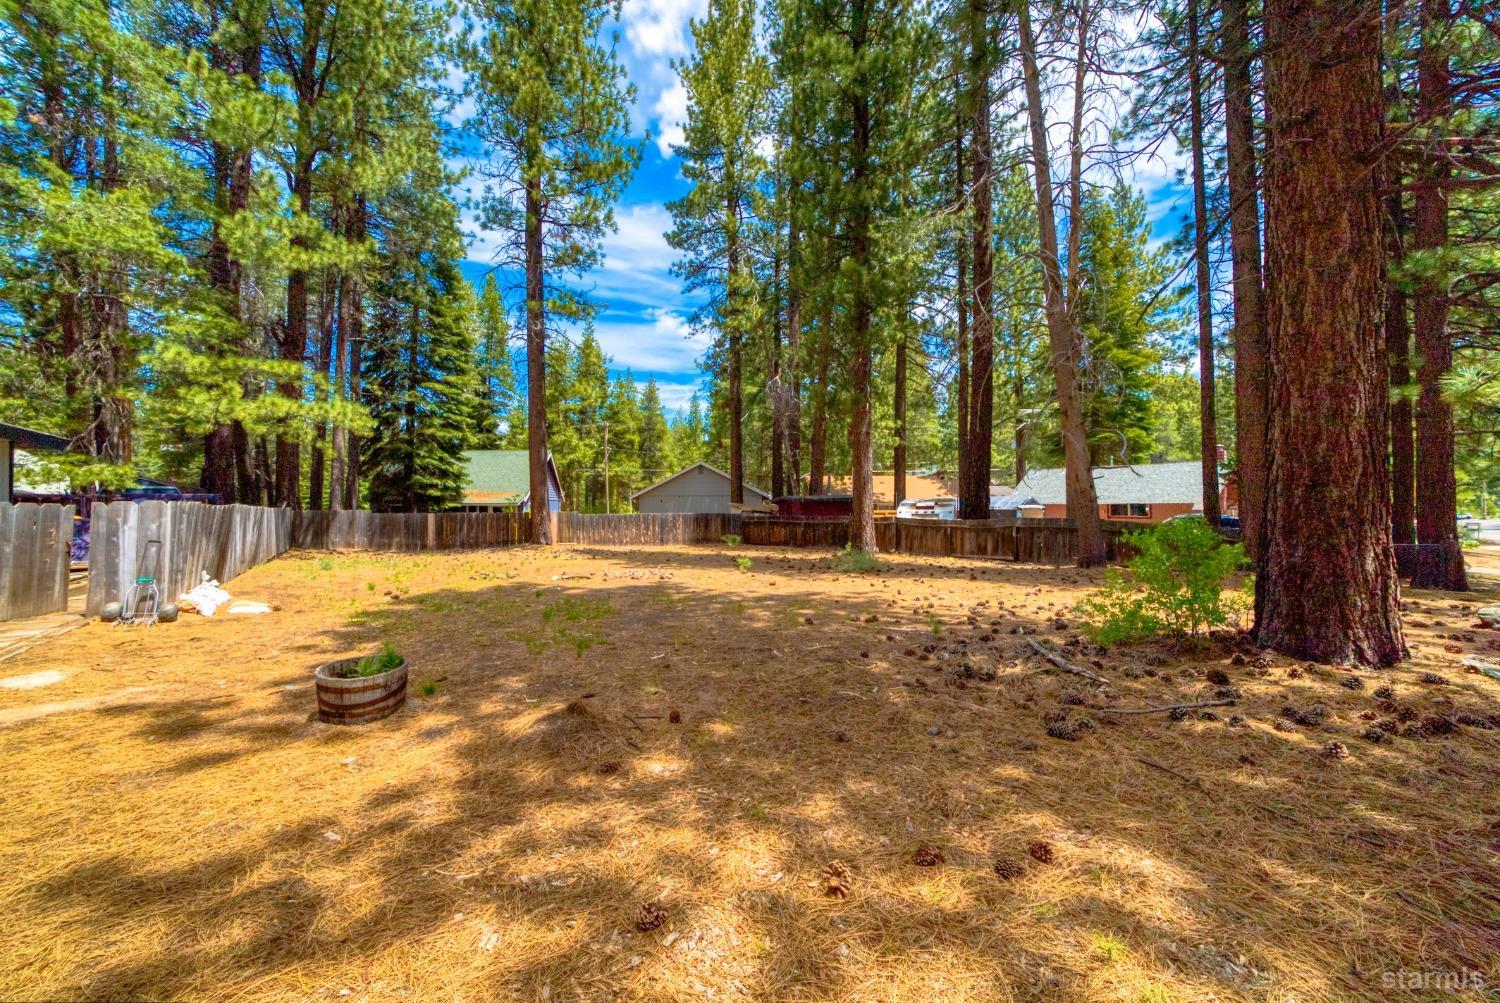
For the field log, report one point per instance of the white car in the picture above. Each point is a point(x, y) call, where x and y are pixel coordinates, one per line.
point(928, 508)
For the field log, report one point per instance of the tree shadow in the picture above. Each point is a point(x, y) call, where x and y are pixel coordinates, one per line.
point(555, 816)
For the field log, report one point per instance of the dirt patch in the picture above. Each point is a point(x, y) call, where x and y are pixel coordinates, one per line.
point(636, 769)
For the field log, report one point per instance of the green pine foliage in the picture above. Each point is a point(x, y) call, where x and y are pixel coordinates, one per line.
point(1176, 586)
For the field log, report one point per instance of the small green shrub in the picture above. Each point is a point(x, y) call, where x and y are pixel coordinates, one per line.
point(743, 563)
point(730, 540)
point(1175, 586)
point(935, 624)
point(374, 665)
point(325, 564)
point(428, 687)
point(856, 560)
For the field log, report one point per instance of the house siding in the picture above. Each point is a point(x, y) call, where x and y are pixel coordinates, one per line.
point(697, 490)
point(1160, 512)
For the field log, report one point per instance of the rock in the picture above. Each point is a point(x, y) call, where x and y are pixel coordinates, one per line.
point(933, 731)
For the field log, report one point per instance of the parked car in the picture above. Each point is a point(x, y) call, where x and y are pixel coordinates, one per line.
point(928, 508)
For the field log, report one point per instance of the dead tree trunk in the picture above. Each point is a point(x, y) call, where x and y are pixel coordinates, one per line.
point(1326, 587)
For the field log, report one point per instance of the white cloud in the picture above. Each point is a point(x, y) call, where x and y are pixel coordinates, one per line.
point(659, 28)
point(638, 259)
point(657, 340)
point(671, 112)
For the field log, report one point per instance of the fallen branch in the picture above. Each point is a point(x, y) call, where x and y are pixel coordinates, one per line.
point(1064, 664)
point(1163, 708)
point(1190, 781)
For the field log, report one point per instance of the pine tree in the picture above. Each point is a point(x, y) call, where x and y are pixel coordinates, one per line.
point(727, 81)
point(551, 111)
point(497, 374)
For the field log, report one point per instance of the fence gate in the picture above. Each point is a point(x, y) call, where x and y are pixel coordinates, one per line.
point(35, 549)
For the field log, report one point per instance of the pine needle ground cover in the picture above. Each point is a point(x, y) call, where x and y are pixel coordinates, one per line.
point(646, 774)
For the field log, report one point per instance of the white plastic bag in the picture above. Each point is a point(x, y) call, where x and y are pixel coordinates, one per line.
point(206, 596)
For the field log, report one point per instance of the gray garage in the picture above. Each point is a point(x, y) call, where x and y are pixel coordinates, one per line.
point(698, 488)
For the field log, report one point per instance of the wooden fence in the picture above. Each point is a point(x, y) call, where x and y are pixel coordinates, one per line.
point(833, 533)
point(35, 542)
point(681, 529)
point(1034, 541)
point(223, 540)
point(408, 531)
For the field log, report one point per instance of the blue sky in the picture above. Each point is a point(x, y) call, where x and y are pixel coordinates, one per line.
point(643, 325)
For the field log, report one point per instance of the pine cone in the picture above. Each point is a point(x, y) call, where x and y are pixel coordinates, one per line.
point(1006, 869)
point(1218, 677)
point(674, 716)
point(1352, 683)
point(1374, 735)
point(650, 917)
point(1336, 750)
point(837, 881)
point(1433, 678)
point(1385, 693)
point(606, 768)
point(928, 856)
point(1041, 851)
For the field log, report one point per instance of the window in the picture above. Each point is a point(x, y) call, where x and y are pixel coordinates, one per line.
point(1131, 511)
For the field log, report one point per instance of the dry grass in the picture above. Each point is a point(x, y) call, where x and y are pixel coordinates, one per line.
point(177, 827)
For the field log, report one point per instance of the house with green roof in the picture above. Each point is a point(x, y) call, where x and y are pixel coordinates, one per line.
point(499, 480)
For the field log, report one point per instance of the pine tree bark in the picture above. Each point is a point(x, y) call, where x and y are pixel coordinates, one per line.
point(732, 314)
point(294, 347)
point(861, 444)
point(792, 369)
point(318, 462)
point(1442, 564)
point(898, 460)
point(974, 493)
point(536, 369)
point(352, 303)
point(1063, 335)
point(1398, 356)
point(1326, 588)
point(818, 449)
point(1251, 375)
point(1207, 391)
point(961, 305)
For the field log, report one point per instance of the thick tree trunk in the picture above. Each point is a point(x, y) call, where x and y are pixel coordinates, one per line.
point(354, 311)
point(861, 440)
point(898, 460)
point(1398, 358)
point(974, 496)
point(778, 406)
point(294, 349)
point(792, 370)
point(1326, 587)
point(1063, 335)
point(1442, 566)
point(961, 306)
point(536, 370)
point(1251, 375)
point(1207, 419)
point(317, 462)
point(736, 391)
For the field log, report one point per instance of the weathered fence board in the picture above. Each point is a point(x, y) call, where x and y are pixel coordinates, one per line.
point(35, 543)
point(223, 540)
point(408, 531)
point(659, 529)
point(796, 532)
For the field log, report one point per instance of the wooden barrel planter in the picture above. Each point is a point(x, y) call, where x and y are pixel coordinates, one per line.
point(360, 699)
